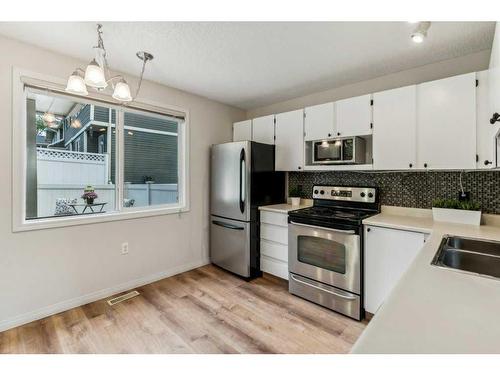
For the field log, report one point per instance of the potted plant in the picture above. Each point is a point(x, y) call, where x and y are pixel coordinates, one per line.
point(294, 193)
point(89, 195)
point(456, 211)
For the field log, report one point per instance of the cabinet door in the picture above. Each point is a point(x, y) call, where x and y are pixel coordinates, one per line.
point(388, 254)
point(354, 116)
point(446, 123)
point(319, 122)
point(394, 128)
point(263, 129)
point(290, 141)
point(242, 131)
point(485, 132)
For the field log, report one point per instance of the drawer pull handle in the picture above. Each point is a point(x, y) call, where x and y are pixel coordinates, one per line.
point(322, 289)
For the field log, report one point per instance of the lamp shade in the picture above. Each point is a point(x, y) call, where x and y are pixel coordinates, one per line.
point(122, 91)
point(76, 85)
point(94, 76)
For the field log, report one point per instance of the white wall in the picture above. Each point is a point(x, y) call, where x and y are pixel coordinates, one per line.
point(447, 68)
point(46, 270)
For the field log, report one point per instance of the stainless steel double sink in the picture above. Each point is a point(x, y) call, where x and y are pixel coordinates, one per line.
point(480, 257)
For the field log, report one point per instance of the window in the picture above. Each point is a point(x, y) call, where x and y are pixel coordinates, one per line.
point(91, 160)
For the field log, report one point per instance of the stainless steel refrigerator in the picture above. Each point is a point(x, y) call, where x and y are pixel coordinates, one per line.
point(242, 179)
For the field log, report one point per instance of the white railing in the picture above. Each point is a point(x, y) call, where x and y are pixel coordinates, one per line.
point(143, 195)
point(150, 194)
point(70, 167)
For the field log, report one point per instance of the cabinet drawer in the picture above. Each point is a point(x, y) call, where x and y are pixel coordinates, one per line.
point(274, 233)
point(274, 250)
point(275, 218)
point(274, 267)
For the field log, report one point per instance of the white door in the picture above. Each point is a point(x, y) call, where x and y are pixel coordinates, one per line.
point(446, 123)
point(290, 141)
point(263, 129)
point(485, 132)
point(319, 122)
point(388, 254)
point(242, 131)
point(394, 128)
point(354, 116)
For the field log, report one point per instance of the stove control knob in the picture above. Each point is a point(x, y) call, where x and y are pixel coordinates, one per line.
point(322, 192)
point(315, 191)
point(370, 195)
point(362, 194)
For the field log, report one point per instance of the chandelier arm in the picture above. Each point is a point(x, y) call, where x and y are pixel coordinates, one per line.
point(140, 78)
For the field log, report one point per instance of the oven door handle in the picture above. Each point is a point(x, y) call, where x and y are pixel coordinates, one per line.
point(349, 231)
point(337, 294)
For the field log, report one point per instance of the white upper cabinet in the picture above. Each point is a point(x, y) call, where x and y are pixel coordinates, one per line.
point(354, 116)
point(494, 75)
point(242, 131)
point(290, 141)
point(319, 122)
point(263, 129)
point(446, 123)
point(485, 132)
point(394, 129)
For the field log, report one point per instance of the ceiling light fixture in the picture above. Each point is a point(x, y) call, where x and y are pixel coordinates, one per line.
point(96, 71)
point(420, 32)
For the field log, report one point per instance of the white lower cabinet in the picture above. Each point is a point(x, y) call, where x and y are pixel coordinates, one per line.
point(274, 243)
point(388, 254)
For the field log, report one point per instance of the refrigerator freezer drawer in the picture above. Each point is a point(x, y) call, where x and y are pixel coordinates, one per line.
point(230, 245)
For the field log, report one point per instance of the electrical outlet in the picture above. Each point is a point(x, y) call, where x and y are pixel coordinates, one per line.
point(125, 248)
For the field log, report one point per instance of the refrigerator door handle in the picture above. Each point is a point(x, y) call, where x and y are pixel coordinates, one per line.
point(226, 225)
point(242, 180)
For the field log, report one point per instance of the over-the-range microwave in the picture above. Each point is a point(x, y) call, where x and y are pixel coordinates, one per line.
point(339, 151)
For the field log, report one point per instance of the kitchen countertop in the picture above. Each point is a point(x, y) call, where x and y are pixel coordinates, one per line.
point(285, 208)
point(435, 310)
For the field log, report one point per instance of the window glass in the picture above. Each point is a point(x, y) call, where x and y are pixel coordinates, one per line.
point(70, 156)
point(150, 160)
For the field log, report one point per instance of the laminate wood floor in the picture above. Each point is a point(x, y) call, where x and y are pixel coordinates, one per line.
point(206, 310)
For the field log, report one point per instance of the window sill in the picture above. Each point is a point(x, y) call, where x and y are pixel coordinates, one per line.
point(126, 214)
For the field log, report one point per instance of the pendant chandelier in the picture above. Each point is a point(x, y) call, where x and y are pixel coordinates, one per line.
point(97, 70)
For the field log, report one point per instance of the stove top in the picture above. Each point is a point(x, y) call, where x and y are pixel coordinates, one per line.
point(333, 214)
point(339, 205)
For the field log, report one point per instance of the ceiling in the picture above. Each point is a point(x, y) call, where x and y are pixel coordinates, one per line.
point(57, 106)
point(251, 64)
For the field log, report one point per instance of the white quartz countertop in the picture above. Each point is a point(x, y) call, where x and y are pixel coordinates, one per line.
point(284, 208)
point(435, 310)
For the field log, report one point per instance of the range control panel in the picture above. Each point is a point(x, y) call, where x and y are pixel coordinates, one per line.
point(344, 193)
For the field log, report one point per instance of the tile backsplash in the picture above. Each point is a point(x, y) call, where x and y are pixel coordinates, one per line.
point(411, 189)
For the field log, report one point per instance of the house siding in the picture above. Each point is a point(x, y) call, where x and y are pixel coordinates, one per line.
point(84, 117)
point(149, 154)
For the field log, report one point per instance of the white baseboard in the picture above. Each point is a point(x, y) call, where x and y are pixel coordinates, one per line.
point(94, 296)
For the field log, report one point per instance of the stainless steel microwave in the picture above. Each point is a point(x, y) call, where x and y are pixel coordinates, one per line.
point(339, 151)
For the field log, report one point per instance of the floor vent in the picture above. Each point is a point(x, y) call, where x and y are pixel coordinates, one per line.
point(123, 297)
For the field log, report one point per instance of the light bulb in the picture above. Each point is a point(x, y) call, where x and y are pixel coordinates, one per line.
point(48, 118)
point(122, 91)
point(418, 37)
point(76, 124)
point(94, 76)
point(76, 84)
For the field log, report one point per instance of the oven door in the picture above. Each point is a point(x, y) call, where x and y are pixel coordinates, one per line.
point(327, 152)
point(331, 256)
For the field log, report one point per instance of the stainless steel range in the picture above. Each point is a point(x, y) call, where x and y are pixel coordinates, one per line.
point(325, 256)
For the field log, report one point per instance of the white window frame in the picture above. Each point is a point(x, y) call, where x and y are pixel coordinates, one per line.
point(56, 86)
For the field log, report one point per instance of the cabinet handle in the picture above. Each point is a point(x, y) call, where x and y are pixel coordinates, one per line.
point(368, 229)
point(329, 135)
point(299, 167)
point(486, 162)
point(425, 165)
point(338, 133)
point(410, 165)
